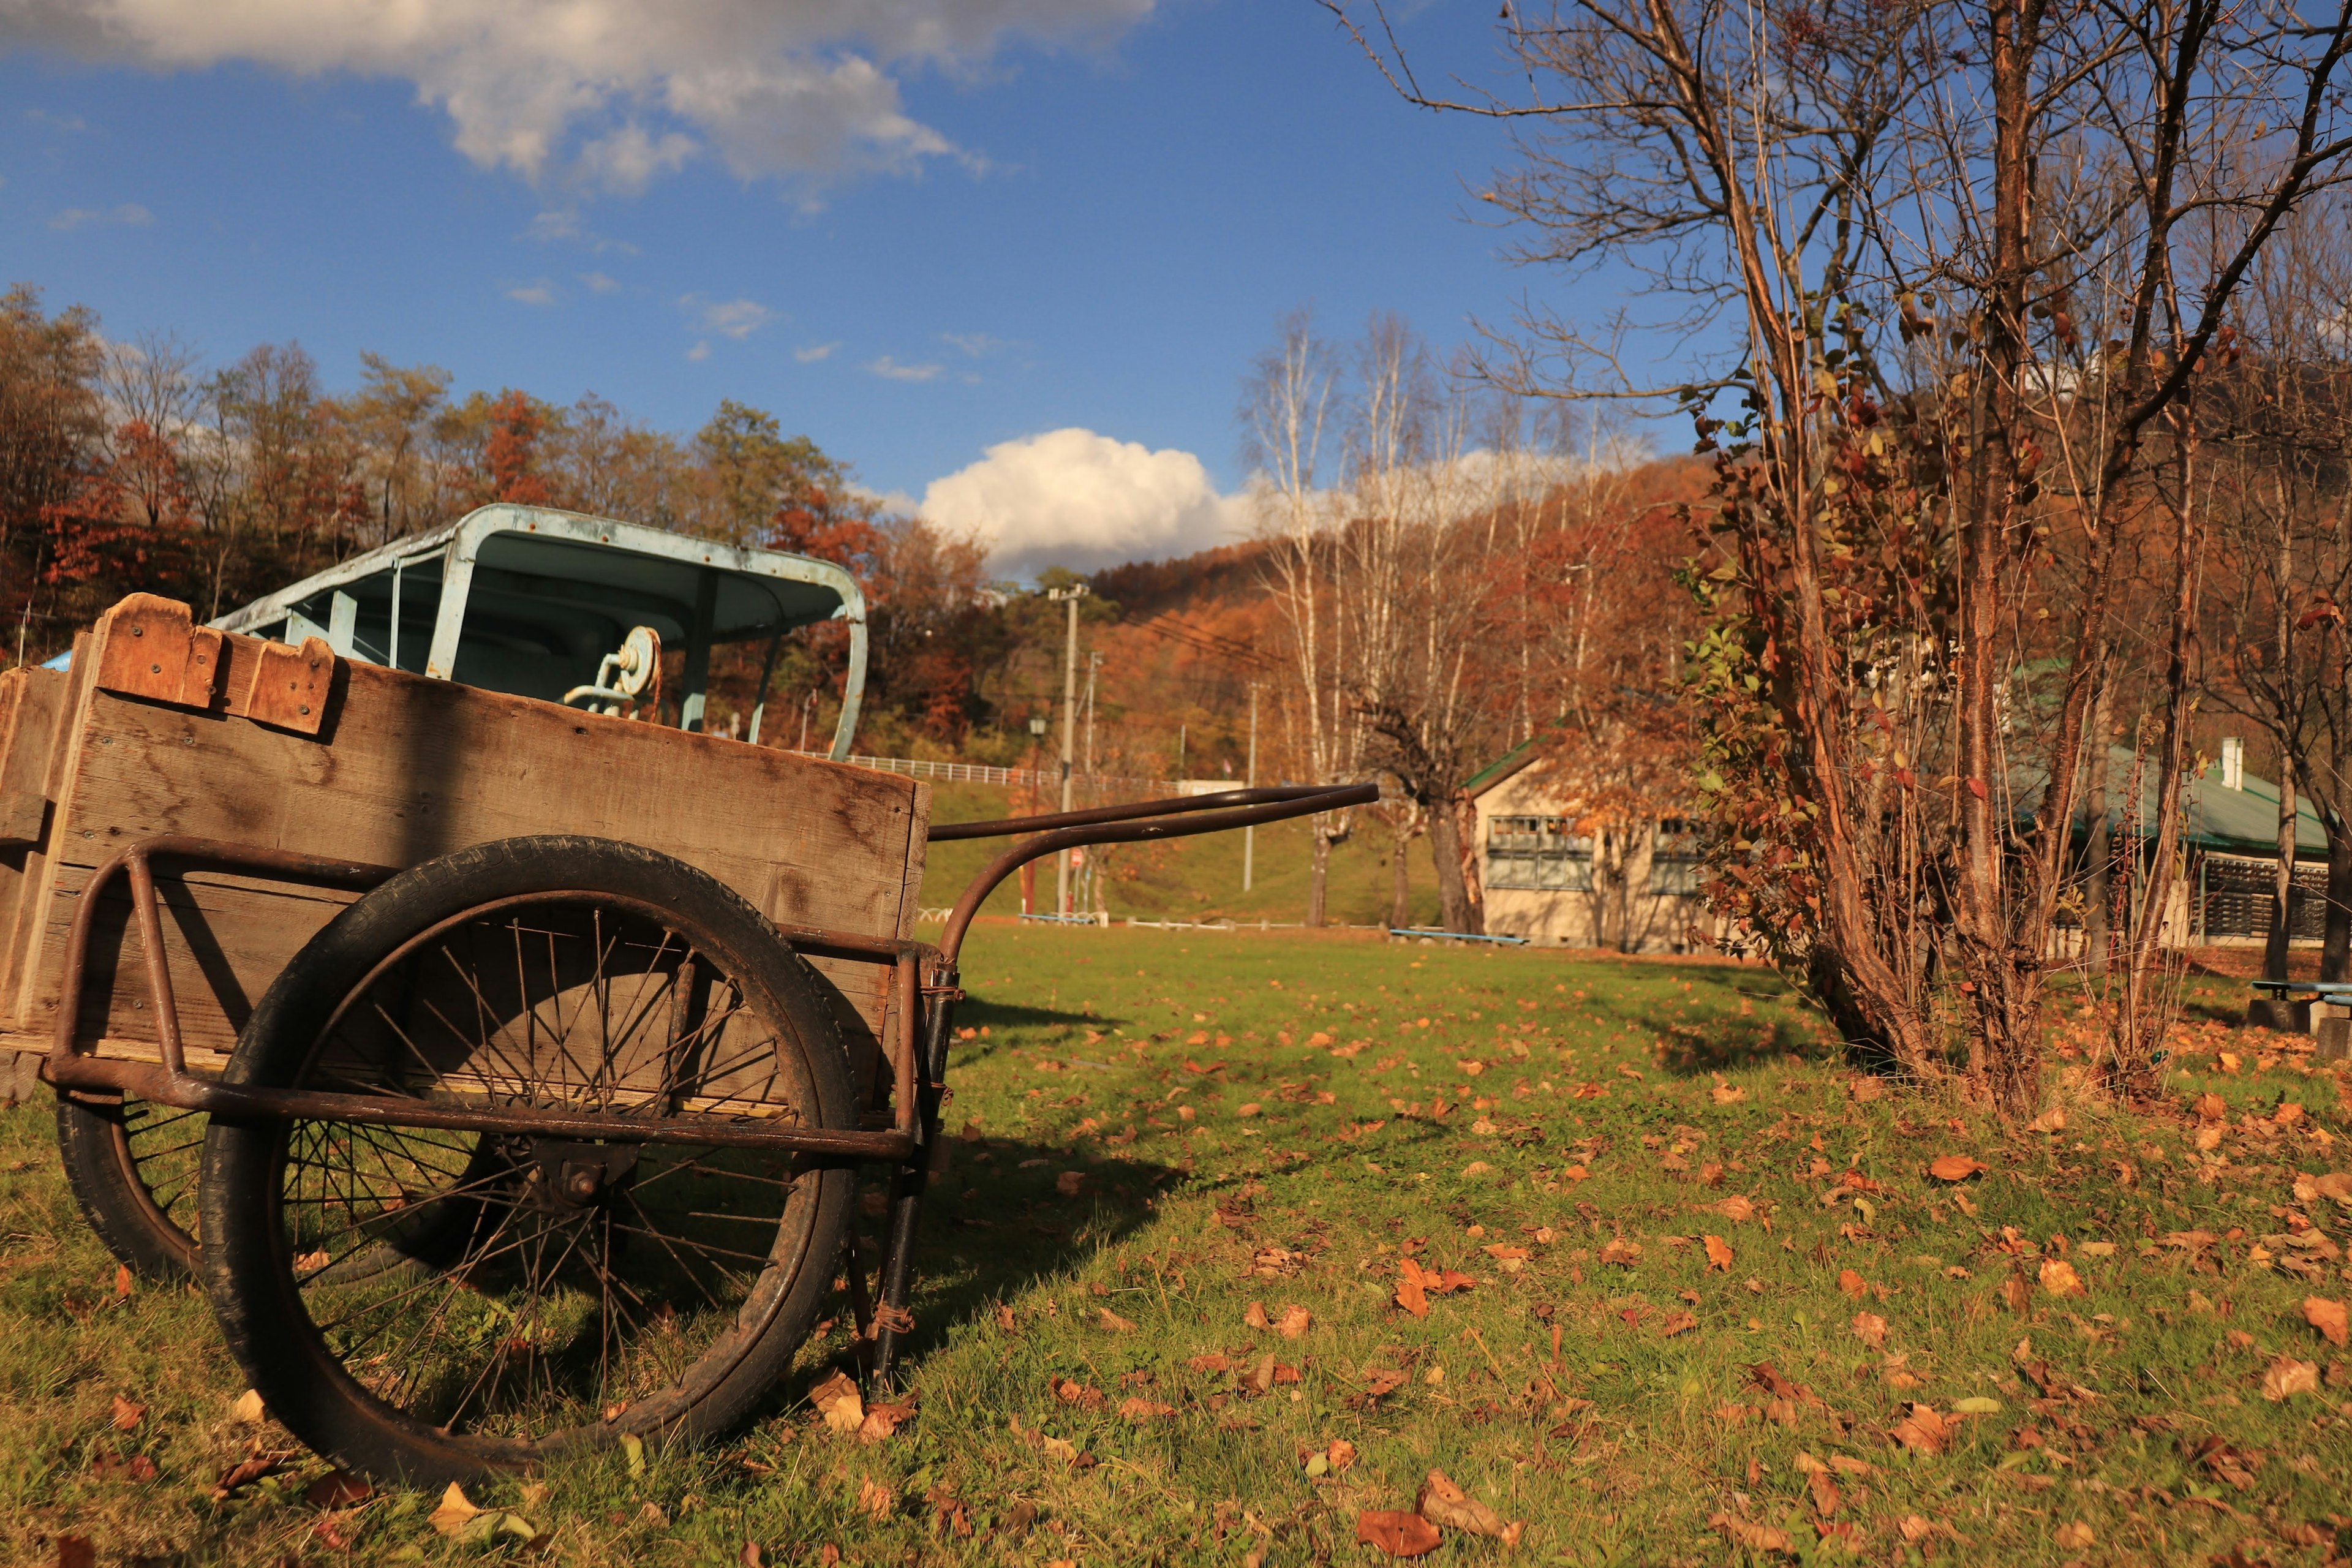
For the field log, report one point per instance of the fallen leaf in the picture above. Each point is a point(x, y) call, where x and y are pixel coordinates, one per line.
point(1212, 1361)
point(1442, 1502)
point(454, 1512)
point(2211, 1106)
point(1255, 1317)
point(1619, 1250)
point(1397, 1532)
point(750, 1557)
point(1677, 1323)
point(883, 1420)
point(337, 1488)
point(1955, 1168)
point(1737, 1210)
point(1718, 1253)
point(1005, 1318)
point(1070, 1183)
point(121, 1281)
point(2326, 1316)
point(1260, 1378)
point(1852, 1284)
point(1728, 1094)
point(1923, 1431)
point(2051, 1120)
point(837, 1400)
point(1753, 1536)
point(76, 1552)
point(2058, 1277)
point(1059, 1449)
point(1294, 1322)
point(1409, 1293)
point(1140, 1409)
point(1976, 1405)
point(1381, 1383)
point(1341, 1454)
point(126, 1416)
point(1871, 1329)
point(875, 1500)
point(246, 1407)
point(2072, 1537)
point(1826, 1496)
point(1113, 1321)
point(2286, 1377)
point(246, 1471)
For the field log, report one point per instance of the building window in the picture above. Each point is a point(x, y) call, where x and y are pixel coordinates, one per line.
point(1538, 853)
point(1678, 860)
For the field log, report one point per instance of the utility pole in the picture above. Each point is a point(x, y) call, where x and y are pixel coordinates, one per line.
point(1070, 596)
point(1249, 835)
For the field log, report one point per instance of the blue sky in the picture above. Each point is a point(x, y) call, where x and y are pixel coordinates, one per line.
point(1089, 223)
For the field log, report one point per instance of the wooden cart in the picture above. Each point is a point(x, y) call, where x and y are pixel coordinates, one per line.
point(512, 1063)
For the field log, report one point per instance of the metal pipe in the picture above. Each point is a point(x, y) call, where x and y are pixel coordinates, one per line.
point(1006, 827)
point(1304, 802)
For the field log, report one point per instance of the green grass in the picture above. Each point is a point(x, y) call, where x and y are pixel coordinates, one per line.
point(1620, 1447)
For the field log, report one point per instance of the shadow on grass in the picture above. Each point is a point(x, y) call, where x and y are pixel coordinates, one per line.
point(1000, 1219)
point(971, 1013)
point(1703, 1028)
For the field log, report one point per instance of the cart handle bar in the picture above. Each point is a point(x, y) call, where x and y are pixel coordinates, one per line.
point(1007, 827)
point(1117, 825)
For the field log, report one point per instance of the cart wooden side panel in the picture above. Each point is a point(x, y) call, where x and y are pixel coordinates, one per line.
point(403, 768)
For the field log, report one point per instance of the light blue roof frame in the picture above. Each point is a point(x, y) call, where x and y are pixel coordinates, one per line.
point(695, 589)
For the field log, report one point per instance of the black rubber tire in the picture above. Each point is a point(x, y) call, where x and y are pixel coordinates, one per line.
point(246, 1263)
point(94, 1145)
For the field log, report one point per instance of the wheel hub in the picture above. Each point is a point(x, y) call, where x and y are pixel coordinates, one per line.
point(567, 1176)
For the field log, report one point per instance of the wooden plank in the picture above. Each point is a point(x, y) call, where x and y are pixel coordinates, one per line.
point(31, 702)
point(66, 691)
point(405, 769)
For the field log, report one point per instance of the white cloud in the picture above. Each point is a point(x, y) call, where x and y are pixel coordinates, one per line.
point(131, 214)
point(66, 123)
point(698, 353)
point(617, 92)
point(599, 283)
point(891, 369)
point(532, 294)
point(737, 319)
point(1072, 498)
point(977, 344)
point(812, 352)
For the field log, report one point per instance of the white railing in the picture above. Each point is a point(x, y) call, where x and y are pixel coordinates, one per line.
point(981, 773)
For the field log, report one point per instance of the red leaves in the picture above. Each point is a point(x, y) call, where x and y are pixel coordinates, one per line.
point(1415, 1285)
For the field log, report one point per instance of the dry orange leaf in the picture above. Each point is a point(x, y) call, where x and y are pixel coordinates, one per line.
point(1718, 1253)
point(1114, 1323)
point(1339, 1455)
point(2326, 1316)
point(1923, 1431)
point(878, 1501)
point(1737, 1210)
point(1852, 1284)
point(1826, 1496)
point(1397, 1532)
point(1617, 1249)
point(1871, 1329)
point(1255, 1317)
point(2058, 1277)
point(1140, 1409)
point(2287, 1378)
point(1955, 1168)
point(1753, 1536)
point(1409, 1293)
point(1294, 1322)
point(1677, 1323)
point(1442, 1502)
point(127, 1416)
point(1726, 1094)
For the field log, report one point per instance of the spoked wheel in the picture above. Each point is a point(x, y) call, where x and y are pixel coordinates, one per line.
point(132, 1167)
point(424, 1304)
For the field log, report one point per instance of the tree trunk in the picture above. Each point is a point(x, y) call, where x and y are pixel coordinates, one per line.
point(2281, 931)
point(1400, 880)
point(1473, 885)
point(2335, 941)
point(1445, 853)
point(2099, 849)
point(1318, 875)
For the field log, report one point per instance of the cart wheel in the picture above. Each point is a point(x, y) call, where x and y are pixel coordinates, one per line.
point(552, 1295)
point(132, 1167)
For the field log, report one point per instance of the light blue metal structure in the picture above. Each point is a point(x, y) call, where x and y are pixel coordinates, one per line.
point(529, 600)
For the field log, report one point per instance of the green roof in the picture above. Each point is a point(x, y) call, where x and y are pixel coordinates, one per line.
point(2242, 821)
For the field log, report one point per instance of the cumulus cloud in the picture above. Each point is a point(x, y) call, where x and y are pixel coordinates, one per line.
point(532, 294)
point(1072, 498)
point(812, 352)
point(600, 283)
point(891, 369)
point(131, 214)
point(615, 92)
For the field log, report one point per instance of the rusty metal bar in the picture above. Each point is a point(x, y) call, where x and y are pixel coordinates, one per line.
point(170, 1083)
point(1008, 827)
point(137, 857)
point(1298, 803)
point(151, 1081)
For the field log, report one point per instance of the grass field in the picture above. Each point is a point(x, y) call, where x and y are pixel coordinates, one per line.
point(1716, 1310)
